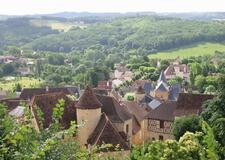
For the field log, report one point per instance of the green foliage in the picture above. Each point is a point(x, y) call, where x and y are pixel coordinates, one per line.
point(8, 69)
point(214, 114)
point(17, 88)
point(58, 110)
point(184, 124)
point(19, 31)
point(56, 59)
point(200, 82)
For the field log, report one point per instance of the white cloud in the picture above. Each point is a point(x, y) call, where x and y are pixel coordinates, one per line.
point(51, 6)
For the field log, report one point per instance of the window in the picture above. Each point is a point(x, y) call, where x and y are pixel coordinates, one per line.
point(153, 139)
point(160, 137)
point(127, 128)
point(161, 125)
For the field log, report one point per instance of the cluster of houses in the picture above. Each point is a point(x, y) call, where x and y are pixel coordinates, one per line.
point(27, 65)
point(103, 116)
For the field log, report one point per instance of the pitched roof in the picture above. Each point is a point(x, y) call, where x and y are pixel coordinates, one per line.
point(17, 112)
point(140, 90)
point(174, 91)
point(189, 104)
point(134, 109)
point(12, 103)
point(112, 108)
point(28, 93)
point(170, 70)
point(88, 100)
point(46, 102)
point(138, 114)
point(162, 78)
point(154, 103)
point(163, 112)
point(161, 87)
point(106, 133)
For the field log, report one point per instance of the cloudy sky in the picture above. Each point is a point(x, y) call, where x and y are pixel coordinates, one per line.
point(20, 7)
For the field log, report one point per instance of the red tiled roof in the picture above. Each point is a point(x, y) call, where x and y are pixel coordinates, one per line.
point(28, 93)
point(88, 100)
point(12, 103)
point(189, 104)
point(46, 102)
point(106, 133)
point(171, 71)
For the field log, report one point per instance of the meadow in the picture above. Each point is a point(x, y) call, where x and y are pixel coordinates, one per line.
point(198, 49)
point(25, 82)
point(57, 25)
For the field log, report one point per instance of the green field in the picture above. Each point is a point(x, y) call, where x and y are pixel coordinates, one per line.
point(191, 50)
point(61, 26)
point(25, 82)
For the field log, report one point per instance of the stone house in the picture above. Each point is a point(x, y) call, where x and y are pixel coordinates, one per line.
point(158, 122)
point(177, 70)
point(138, 115)
point(100, 120)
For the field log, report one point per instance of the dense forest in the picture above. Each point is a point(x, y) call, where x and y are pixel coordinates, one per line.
point(146, 34)
point(18, 31)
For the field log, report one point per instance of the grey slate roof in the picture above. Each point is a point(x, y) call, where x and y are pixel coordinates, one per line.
point(154, 104)
point(17, 112)
point(162, 78)
point(165, 111)
point(174, 91)
point(147, 87)
point(161, 87)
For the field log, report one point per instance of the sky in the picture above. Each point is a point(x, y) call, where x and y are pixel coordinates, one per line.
point(21, 7)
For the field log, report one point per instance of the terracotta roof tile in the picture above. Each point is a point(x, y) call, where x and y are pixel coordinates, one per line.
point(28, 93)
point(46, 102)
point(106, 133)
point(88, 100)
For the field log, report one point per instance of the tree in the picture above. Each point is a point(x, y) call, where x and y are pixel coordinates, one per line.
point(8, 69)
point(184, 124)
point(214, 114)
point(18, 87)
point(210, 90)
point(200, 81)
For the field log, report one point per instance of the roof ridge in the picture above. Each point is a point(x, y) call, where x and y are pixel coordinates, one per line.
point(103, 114)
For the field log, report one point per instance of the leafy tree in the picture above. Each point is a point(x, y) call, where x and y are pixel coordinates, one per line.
point(56, 59)
point(184, 124)
point(210, 90)
point(214, 114)
point(8, 69)
point(18, 87)
point(200, 82)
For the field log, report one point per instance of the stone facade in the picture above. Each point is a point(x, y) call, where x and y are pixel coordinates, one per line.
point(159, 130)
point(125, 127)
point(162, 95)
point(88, 119)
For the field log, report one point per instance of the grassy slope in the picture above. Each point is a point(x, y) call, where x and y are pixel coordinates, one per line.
point(191, 50)
point(24, 81)
point(55, 24)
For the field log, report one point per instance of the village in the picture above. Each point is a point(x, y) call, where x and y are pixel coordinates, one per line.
point(105, 116)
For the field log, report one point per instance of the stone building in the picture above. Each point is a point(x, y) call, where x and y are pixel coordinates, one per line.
point(158, 123)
